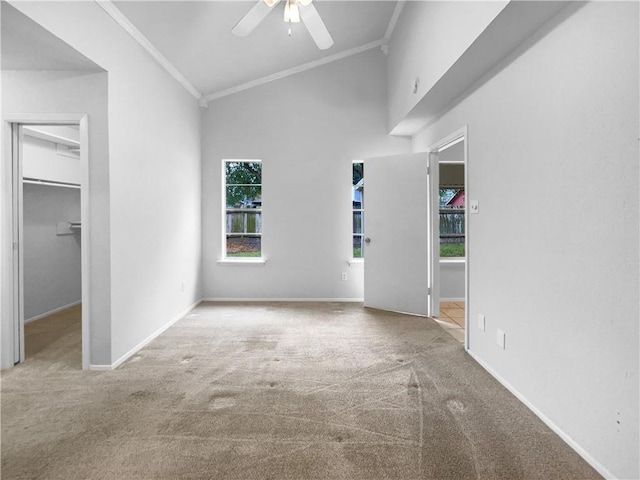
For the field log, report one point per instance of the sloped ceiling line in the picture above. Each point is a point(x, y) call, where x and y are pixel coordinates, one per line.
point(203, 100)
point(293, 71)
point(393, 21)
point(137, 35)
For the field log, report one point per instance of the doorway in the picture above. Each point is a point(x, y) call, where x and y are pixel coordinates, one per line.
point(450, 233)
point(45, 210)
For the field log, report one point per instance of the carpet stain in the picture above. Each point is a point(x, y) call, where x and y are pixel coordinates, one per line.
point(222, 402)
point(254, 344)
point(141, 394)
point(455, 406)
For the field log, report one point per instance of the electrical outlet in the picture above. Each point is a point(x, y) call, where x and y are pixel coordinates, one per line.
point(481, 322)
point(474, 206)
point(500, 338)
point(344, 276)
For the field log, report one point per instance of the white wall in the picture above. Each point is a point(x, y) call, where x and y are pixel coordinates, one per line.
point(154, 172)
point(307, 129)
point(63, 92)
point(52, 265)
point(555, 128)
point(452, 280)
point(428, 39)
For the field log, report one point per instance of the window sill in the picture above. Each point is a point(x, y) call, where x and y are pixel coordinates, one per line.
point(242, 261)
point(453, 259)
point(356, 261)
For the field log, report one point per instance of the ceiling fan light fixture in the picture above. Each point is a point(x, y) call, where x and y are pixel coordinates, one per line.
point(271, 3)
point(291, 12)
point(304, 3)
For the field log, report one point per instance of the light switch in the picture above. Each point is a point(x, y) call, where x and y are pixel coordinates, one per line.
point(474, 206)
point(500, 338)
point(481, 322)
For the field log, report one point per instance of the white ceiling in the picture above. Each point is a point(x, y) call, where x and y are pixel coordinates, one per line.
point(195, 37)
point(28, 46)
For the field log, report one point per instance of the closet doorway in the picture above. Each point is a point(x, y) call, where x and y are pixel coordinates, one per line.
point(49, 258)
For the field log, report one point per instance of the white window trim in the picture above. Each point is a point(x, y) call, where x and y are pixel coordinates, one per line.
point(243, 261)
point(453, 259)
point(236, 261)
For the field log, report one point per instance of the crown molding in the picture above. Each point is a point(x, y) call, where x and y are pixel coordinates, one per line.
point(292, 71)
point(144, 42)
point(393, 21)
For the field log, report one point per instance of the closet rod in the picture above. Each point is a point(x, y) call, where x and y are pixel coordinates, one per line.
point(51, 183)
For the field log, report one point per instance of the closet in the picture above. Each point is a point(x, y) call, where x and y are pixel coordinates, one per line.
point(52, 265)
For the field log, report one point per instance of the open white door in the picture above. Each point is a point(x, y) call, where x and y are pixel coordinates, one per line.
point(17, 229)
point(397, 240)
point(434, 234)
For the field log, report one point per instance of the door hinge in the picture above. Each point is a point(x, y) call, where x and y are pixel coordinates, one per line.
point(429, 291)
point(15, 245)
point(428, 170)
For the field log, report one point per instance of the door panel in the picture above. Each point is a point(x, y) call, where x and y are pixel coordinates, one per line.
point(434, 234)
point(396, 270)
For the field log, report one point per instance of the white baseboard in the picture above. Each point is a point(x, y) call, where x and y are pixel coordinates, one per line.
point(100, 368)
point(51, 312)
point(547, 421)
point(234, 299)
point(144, 342)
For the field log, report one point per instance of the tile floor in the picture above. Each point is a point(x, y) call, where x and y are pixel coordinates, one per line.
point(452, 319)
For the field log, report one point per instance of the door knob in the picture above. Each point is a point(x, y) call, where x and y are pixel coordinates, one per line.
point(367, 240)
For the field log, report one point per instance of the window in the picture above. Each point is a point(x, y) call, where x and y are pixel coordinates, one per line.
point(243, 208)
point(357, 200)
point(452, 237)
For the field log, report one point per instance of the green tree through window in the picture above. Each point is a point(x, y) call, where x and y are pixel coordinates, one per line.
point(243, 208)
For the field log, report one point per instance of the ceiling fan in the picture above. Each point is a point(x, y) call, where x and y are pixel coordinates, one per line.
point(294, 10)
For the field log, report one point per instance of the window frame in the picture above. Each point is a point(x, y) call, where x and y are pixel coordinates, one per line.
point(443, 210)
point(225, 258)
point(354, 210)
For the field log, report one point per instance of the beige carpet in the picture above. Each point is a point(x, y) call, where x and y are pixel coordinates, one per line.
point(277, 391)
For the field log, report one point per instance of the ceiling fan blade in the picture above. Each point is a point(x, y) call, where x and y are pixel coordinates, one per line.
point(251, 20)
point(315, 25)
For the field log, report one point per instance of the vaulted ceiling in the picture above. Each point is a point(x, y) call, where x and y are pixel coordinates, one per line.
point(195, 37)
point(192, 39)
point(27, 46)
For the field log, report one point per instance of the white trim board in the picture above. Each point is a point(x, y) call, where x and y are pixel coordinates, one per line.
point(144, 42)
point(144, 342)
point(292, 71)
point(546, 420)
point(393, 21)
point(253, 300)
point(51, 312)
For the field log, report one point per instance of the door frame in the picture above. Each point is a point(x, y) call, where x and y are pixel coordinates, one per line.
point(11, 243)
point(460, 135)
